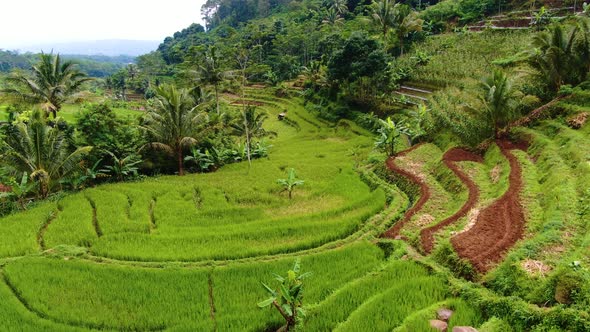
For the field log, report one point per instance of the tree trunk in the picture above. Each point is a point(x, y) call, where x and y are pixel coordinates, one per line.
point(401, 44)
point(248, 147)
point(180, 162)
point(217, 97)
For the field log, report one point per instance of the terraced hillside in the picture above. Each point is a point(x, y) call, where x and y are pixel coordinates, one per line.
point(188, 253)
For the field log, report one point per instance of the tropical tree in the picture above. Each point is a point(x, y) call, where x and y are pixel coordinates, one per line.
point(561, 55)
point(340, 6)
point(290, 182)
point(498, 99)
point(287, 298)
point(406, 21)
point(383, 15)
point(174, 123)
point(51, 83)
point(42, 151)
point(210, 73)
point(249, 126)
point(331, 17)
point(389, 133)
point(315, 73)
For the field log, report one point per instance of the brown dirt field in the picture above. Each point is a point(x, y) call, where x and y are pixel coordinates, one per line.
point(4, 189)
point(424, 190)
point(451, 156)
point(499, 225)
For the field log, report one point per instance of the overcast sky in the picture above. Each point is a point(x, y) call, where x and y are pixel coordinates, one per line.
point(29, 22)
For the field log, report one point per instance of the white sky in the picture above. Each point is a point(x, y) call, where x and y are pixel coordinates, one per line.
point(28, 22)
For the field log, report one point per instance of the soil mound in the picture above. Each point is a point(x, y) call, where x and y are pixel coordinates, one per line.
point(449, 159)
point(499, 225)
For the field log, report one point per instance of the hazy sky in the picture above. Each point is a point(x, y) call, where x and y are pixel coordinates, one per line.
point(27, 22)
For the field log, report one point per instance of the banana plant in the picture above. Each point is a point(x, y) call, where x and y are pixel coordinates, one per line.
point(20, 191)
point(123, 168)
point(290, 182)
point(389, 134)
point(287, 298)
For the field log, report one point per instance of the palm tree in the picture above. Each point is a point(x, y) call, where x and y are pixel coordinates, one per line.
point(174, 122)
point(498, 98)
point(383, 15)
point(51, 84)
point(562, 56)
point(315, 73)
point(250, 126)
point(406, 21)
point(42, 151)
point(331, 17)
point(209, 73)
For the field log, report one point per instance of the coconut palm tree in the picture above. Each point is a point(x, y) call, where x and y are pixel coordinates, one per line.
point(383, 15)
point(406, 21)
point(52, 82)
point(561, 55)
point(250, 126)
point(498, 99)
point(174, 122)
point(331, 17)
point(210, 73)
point(42, 151)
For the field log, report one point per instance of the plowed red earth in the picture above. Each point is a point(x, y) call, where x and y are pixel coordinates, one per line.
point(424, 193)
point(499, 225)
point(449, 158)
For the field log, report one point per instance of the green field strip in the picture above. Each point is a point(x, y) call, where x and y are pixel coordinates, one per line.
point(110, 297)
point(389, 308)
point(74, 223)
point(150, 299)
point(260, 238)
point(336, 308)
point(331, 270)
point(19, 231)
point(15, 316)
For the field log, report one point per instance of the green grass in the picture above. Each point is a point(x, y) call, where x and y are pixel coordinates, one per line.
point(388, 309)
point(461, 59)
point(69, 112)
point(114, 297)
point(339, 305)
point(206, 221)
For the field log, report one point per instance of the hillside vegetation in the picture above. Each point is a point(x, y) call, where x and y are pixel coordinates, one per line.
point(396, 160)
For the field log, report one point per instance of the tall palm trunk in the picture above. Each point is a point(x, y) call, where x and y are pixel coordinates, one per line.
point(217, 97)
point(248, 139)
point(180, 161)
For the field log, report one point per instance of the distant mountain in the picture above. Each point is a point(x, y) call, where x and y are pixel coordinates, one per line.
point(113, 47)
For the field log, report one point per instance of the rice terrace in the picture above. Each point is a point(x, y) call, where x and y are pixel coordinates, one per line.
point(304, 165)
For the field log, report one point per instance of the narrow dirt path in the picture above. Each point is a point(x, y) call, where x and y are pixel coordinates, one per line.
point(43, 230)
point(424, 193)
point(499, 225)
point(449, 159)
